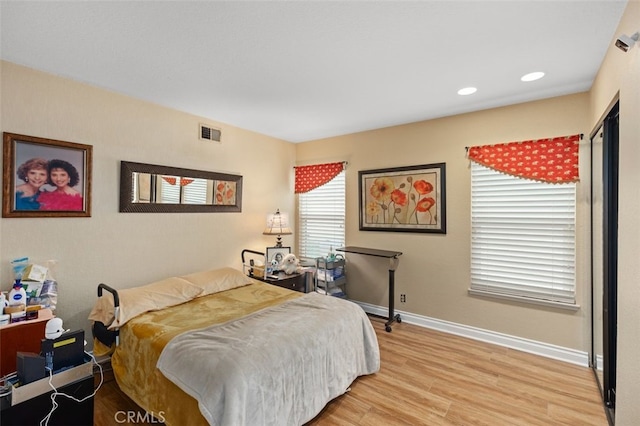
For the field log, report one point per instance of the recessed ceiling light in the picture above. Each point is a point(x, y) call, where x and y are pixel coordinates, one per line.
point(467, 91)
point(532, 76)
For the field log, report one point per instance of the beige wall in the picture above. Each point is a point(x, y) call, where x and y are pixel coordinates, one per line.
point(127, 249)
point(434, 269)
point(620, 74)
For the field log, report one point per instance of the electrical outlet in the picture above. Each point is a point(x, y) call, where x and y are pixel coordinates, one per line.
point(403, 298)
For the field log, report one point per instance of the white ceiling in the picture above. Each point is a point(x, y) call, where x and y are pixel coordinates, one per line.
point(304, 70)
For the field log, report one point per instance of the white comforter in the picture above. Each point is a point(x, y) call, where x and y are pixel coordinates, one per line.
point(278, 366)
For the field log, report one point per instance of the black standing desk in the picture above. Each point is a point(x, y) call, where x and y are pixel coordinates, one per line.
point(393, 264)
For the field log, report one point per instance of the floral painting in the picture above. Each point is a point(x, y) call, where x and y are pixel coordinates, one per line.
point(408, 199)
point(225, 193)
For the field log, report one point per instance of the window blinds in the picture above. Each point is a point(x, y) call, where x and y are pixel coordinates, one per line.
point(321, 218)
point(523, 237)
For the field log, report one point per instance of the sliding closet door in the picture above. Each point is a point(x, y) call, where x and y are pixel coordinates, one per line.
point(604, 256)
point(597, 256)
point(610, 254)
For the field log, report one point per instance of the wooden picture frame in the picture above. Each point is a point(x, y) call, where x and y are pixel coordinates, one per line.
point(45, 177)
point(403, 199)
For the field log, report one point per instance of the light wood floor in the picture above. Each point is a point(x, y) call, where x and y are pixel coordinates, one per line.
point(433, 378)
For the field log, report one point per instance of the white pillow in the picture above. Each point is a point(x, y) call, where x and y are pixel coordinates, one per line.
point(138, 300)
point(217, 280)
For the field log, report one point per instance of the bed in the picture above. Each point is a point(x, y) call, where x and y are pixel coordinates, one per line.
point(220, 348)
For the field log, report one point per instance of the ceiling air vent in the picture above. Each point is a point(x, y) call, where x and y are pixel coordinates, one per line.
point(210, 134)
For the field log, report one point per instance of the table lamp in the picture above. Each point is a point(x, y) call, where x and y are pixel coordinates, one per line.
point(277, 224)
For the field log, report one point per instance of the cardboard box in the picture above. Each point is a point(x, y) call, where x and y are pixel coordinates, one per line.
point(26, 392)
point(14, 309)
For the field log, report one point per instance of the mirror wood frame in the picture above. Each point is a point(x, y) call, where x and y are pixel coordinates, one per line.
point(127, 168)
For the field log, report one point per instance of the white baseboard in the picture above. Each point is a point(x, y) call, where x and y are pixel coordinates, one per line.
point(531, 346)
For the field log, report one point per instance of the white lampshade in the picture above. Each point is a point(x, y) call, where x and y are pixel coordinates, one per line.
point(277, 224)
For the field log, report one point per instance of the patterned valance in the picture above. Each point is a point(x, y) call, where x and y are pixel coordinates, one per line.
point(552, 160)
point(316, 175)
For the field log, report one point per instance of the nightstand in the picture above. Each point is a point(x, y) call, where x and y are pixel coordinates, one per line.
point(22, 336)
point(302, 282)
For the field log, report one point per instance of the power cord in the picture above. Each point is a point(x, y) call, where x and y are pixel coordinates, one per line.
point(45, 420)
point(6, 385)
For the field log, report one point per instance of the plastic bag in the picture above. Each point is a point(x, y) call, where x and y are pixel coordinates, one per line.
point(18, 266)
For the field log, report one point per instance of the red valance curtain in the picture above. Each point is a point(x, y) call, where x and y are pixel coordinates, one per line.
point(313, 176)
point(552, 160)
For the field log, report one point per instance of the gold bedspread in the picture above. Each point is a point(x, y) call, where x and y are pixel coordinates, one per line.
point(143, 338)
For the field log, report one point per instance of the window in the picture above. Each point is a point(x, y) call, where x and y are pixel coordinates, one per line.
point(522, 238)
point(321, 218)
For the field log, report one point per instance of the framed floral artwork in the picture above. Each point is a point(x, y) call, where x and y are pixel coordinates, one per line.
point(225, 193)
point(403, 199)
point(45, 177)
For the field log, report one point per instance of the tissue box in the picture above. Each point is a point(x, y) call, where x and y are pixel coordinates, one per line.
point(14, 309)
point(257, 271)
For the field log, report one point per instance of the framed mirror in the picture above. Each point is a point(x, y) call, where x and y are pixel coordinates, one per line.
point(149, 188)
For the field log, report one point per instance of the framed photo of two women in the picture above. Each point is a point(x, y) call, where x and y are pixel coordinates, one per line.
point(45, 177)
